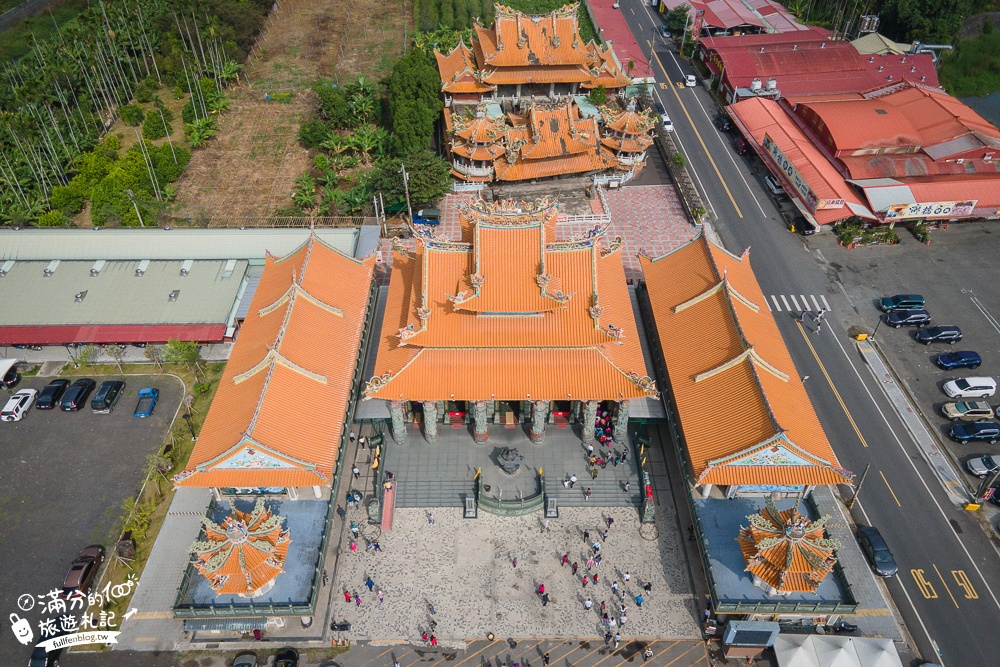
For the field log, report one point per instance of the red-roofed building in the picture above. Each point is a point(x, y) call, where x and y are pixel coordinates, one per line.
point(806, 62)
point(898, 152)
point(738, 17)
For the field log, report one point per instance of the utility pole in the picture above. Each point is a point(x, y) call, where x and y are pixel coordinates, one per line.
point(131, 198)
point(406, 189)
point(857, 489)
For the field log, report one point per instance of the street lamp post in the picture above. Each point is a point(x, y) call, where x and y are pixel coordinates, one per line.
point(877, 325)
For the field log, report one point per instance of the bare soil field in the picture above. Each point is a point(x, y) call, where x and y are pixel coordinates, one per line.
point(248, 168)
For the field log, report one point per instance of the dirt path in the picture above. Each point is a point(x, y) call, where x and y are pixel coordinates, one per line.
point(248, 168)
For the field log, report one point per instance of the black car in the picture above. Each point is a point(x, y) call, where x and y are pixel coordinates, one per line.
point(741, 146)
point(877, 551)
point(659, 109)
point(11, 377)
point(49, 397)
point(942, 333)
point(724, 123)
point(899, 318)
point(42, 658)
point(802, 226)
point(76, 396)
point(987, 431)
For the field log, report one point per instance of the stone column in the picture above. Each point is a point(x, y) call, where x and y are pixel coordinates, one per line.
point(621, 423)
point(430, 422)
point(539, 415)
point(398, 421)
point(589, 416)
point(481, 431)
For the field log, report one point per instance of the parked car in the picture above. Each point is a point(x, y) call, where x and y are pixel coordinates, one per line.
point(107, 395)
point(286, 657)
point(774, 186)
point(981, 466)
point(147, 401)
point(11, 377)
point(668, 125)
point(427, 216)
point(967, 411)
point(877, 551)
point(974, 387)
point(246, 659)
point(901, 302)
point(690, 81)
point(803, 226)
point(664, 32)
point(83, 570)
point(51, 394)
point(985, 431)
point(942, 333)
point(899, 318)
point(724, 123)
point(76, 396)
point(740, 145)
point(960, 359)
point(660, 110)
point(17, 405)
point(40, 657)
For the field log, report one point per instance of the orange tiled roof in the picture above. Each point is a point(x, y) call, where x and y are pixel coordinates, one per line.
point(739, 368)
point(245, 554)
point(628, 121)
point(459, 73)
point(440, 339)
point(480, 129)
point(571, 164)
point(529, 75)
point(294, 359)
point(631, 145)
point(604, 68)
point(786, 550)
point(524, 40)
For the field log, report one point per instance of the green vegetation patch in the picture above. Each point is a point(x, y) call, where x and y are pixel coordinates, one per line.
point(973, 68)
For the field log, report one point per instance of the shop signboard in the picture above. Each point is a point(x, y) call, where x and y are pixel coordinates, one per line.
point(799, 183)
point(936, 209)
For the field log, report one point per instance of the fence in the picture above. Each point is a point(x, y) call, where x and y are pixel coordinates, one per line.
point(255, 221)
point(518, 507)
point(22, 11)
point(466, 187)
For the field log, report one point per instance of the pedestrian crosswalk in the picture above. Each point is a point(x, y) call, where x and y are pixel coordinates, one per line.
point(797, 302)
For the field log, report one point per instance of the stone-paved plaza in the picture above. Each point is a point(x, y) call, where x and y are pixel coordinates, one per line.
point(465, 569)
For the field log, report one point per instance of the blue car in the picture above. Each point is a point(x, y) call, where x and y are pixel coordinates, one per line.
point(962, 359)
point(147, 401)
point(988, 431)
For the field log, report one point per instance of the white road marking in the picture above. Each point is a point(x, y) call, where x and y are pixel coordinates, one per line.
point(794, 302)
point(776, 305)
point(815, 302)
point(805, 302)
point(986, 313)
point(785, 301)
point(825, 304)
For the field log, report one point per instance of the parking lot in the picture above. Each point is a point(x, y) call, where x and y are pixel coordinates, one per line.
point(955, 274)
point(62, 482)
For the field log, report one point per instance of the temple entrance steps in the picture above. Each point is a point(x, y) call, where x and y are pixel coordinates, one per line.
point(433, 492)
point(602, 495)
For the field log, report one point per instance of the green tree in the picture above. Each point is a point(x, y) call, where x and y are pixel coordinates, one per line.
point(677, 18)
point(152, 127)
point(448, 14)
point(331, 104)
point(414, 101)
point(925, 20)
point(52, 219)
point(67, 198)
point(182, 352)
point(430, 178)
point(598, 96)
point(132, 114)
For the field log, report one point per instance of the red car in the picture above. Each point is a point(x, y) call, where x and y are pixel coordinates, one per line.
point(83, 571)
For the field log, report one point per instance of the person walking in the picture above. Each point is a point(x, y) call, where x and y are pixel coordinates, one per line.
point(596, 578)
point(356, 472)
point(597, 549)
point(434, 640)
point(564, 559)
point(597, 559)
point(604, 606)
point(590, 563)
point(585, 580)
point(626, 576)
point(604, 534)
point(352, 437)
point(586, 535)
point(541, 589)
point(612, 623)
point(513, 561)
point(376, 546)
point(610, 522)
point(607, 639)
point(586, 494)
point(395, 663)
point(430, 518)
point(572, 481)
point(618, 639)
point(623, 620)
point(614, 588)
point(348, 597)
point(545, 660)
point(381, 595)
point(576, 567)
point(545, 526)
point(357, 599)
point(587, 604)
point(370, 584)
point(639, 600)
point(627, 487)
point(545, 599)
point(818, 317)
point(363, 442)
point(647, 654)
point(593, 474)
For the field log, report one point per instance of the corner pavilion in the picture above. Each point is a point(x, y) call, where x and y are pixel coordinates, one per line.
point(507, 325)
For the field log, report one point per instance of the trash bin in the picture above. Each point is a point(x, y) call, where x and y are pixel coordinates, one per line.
point(861, 336)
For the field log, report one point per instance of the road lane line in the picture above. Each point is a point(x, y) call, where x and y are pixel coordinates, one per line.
point(825, 304)
point(776, 304)
point(927, 488)
point(815, 302)
point(785, 301)
point(890, 489)
point(794, 302)
point(913, 608)
point(768, 304)
point(696, 645)
point(805, 302)
point(986, 313)
point(829, 380)
point(474, 654)
point(953, 600)
point(704, 192)
point(722, 181)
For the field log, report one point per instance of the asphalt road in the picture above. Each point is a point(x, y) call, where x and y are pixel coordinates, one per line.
point(64, 478)
point(948, 586)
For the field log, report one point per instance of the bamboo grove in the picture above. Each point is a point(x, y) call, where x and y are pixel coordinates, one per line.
point(59, 100)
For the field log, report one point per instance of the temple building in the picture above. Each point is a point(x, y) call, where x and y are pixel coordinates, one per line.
point(785, 551)
point(526, 57)
point(547, 141)
point(280, 412)
point(515, 104)
point(507, 325)
point(245, 554)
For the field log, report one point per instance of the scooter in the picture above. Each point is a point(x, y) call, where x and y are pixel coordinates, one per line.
point(843, 628)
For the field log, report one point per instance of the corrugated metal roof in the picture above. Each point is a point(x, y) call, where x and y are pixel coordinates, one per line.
point(65, 334)
point(874, 43)
point(124, 244)
point(116, 296)
point(881, 198)
point(253, 279)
